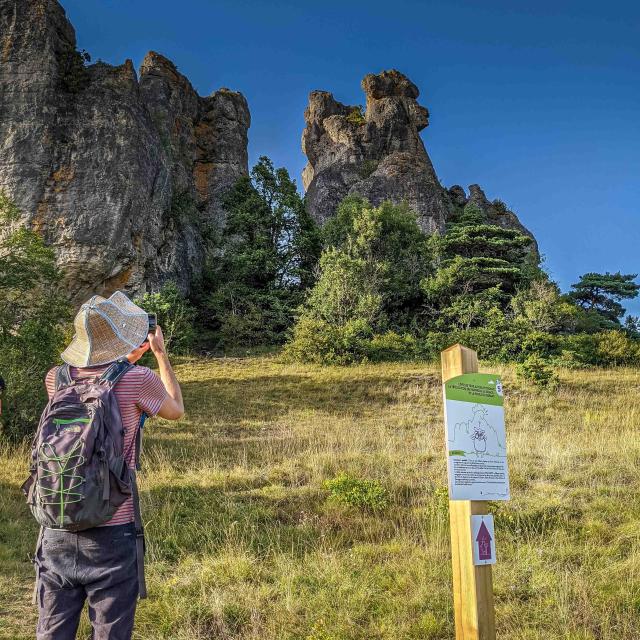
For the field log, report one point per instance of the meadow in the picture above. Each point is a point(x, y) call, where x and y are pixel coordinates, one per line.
point(245, 540)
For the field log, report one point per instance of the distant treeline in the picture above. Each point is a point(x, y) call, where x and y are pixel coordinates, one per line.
point(368, 286)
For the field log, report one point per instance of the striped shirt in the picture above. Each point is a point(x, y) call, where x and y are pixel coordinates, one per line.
point(138, 390)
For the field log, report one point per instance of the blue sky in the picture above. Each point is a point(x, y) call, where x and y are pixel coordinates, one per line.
point(536, 102)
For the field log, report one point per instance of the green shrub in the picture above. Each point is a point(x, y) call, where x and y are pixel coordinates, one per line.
point(312, 341)
point(541, 344)
point(320, 342)
point(606, 348)
point(537, 371)
point(617, 348)
point(250, 317)
point(540, 308)
point(175, 315)
point(391, 346)
point(74, 75)
point(354, 492)
point(356, 115)
point(367, 168)
point(183, 208)
point(32, 313)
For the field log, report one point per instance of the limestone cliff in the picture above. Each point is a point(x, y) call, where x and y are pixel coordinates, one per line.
point(379, 154)
point(120, 175)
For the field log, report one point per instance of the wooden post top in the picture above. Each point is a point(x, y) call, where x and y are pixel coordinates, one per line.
point(457, 360)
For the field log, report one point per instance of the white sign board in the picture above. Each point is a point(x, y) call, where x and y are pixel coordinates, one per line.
point(483, 540)
point(475, 438)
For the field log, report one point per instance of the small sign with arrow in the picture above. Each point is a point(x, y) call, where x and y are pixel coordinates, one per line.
point(483, 540)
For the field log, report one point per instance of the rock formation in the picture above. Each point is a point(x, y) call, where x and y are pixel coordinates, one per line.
point(378, 153)
point(124, 175)
point(120, 175)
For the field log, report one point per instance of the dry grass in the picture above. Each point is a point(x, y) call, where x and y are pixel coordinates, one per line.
point(243, 542)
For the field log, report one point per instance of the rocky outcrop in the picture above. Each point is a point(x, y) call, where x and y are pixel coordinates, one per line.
point(121, 176)
point(377, 152)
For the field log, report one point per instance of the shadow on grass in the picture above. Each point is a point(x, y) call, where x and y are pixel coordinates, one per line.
point(193, 520)
point(267, 398)
point(239, 416)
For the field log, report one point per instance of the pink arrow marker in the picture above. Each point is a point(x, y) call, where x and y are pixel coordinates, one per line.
point(484, 543)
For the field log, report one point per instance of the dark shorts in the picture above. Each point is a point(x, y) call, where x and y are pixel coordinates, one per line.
point(97, 565)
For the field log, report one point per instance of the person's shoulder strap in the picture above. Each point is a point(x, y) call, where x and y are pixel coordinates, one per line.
point(140, 544)
point(115, 371)
point(63, 377)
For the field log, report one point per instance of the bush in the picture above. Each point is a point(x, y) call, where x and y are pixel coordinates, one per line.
point(536, 370)
point(320, 342)
point(249, 317)
point(617, 348)
point(356, 115)
point(545, 345)
point(540, 308)
point(32, 313)
point(607, 348)
point(391, 346)
point(175, 315)
point(353, 492)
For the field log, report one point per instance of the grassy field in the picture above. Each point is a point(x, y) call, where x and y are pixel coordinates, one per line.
point(245, 542)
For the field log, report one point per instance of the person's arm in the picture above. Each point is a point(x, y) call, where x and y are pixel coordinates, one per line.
point(172, 408)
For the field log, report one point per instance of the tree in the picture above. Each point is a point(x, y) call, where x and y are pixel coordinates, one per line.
point(265, 260)
point(601, 293)
point(541, 308)
point(388, 240)
point(478, 267)
point(632, 326)
point(175, 315)
point(368, 284)
point(32, 310)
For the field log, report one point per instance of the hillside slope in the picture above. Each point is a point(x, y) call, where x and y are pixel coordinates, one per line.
point(243, 542)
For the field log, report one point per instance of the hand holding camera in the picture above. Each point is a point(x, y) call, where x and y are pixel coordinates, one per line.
point(156, 341)
point(155, 338)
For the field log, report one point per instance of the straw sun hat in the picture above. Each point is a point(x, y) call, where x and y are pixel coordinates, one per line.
point(106, 330)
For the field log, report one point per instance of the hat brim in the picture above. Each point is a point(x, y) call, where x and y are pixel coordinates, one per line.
point(106, 330)
point(76, 354)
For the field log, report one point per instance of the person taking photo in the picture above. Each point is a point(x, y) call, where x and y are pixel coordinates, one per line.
point(82, 488)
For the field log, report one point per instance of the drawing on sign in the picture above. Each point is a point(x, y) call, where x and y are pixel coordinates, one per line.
point(476, 443)
point(482, 535)
point(476, 435)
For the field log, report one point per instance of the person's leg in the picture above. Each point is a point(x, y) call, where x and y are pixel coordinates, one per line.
point(60, 598)
point(110, 576)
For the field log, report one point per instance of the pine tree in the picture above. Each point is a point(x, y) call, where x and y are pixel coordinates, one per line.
point(601, 293)
point(478, 267)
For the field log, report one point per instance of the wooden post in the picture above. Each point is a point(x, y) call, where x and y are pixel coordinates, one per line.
point(472, 585)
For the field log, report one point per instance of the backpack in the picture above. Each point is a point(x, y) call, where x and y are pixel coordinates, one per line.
point(79, 474)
